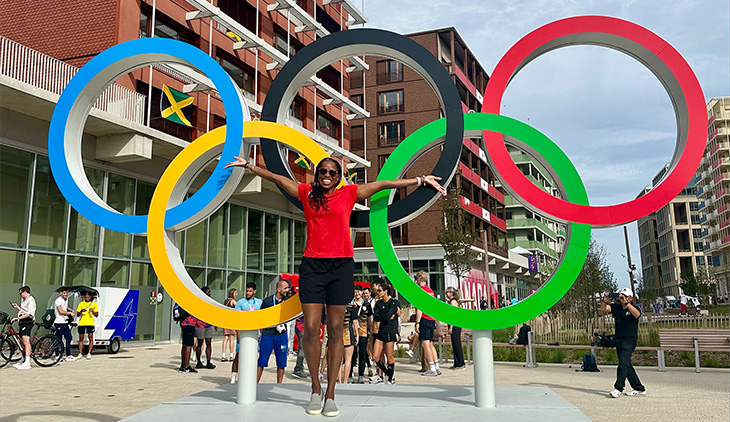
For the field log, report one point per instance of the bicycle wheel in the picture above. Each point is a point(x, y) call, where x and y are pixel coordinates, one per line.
point(7, 349)
point(47, 350)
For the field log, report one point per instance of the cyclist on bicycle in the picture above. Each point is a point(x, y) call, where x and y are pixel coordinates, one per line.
point(26, 318)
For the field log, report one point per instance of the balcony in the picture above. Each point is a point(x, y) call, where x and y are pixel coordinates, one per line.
point(525, 223)
point(532, 244)
point(36, 69)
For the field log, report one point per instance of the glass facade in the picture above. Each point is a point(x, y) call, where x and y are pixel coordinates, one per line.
point(371, 271)
point(43, 241)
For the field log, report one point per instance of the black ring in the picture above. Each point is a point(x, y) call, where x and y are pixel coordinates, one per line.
point(372, 42)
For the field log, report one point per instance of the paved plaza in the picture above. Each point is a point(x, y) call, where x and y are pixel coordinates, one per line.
point(112, 387)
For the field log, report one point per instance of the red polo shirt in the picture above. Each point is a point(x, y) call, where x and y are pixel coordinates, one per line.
point(328, 231)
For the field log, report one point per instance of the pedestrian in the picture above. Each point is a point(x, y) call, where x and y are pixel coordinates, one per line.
point(204, 334)
point(326, 274)
point(452, 297)
point(385, 315)
point(626, 316)
point(683, 301)
point(228, 334)
point(26, 319)
point(425, 326)
point(299, 371)
point(274, 338)
point(367, 296)
point(64, 316)
point(87, 311)
point(349, 339)
point(364, 325)
point(248, 303)
point(187, 329)
point(483, 304)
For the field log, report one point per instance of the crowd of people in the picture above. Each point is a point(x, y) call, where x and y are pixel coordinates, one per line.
point(64, 318)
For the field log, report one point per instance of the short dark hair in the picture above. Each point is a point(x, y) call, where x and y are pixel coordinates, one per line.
point(89, 292)
point(25, 289)
point(205, 289)
point(358, 287)
point(63, 289)
point(251, 285)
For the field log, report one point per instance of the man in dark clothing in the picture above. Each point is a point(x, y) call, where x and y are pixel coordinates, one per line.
point(627, 317)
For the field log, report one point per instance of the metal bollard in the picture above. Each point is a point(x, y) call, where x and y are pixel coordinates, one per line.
point(661, 363)
point(468, 346)
point(441, 349)
point(530, 351)
point(697, 357)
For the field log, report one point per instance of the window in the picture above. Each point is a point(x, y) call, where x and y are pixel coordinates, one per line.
point(327, 125)
point(326, 20)
point(390, 102)
point(297, 110)
point(356, 79)
point(241, 12)
point(162, 124)
point(241, 74)
point(389, 71)
point(284, 43)
point(381, 161)
point(357, 138)
point(357, 99)
point(330, 76)
point(391, 133)
point(162, 28)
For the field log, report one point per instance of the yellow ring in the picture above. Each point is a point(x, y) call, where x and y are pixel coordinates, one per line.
point(196, 302)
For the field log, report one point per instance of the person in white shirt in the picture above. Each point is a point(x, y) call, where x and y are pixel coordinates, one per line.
point(26, 318)
point(64, 315)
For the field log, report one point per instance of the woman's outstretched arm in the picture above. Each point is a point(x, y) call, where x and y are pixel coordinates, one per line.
point(290, 186)
point(369, 189)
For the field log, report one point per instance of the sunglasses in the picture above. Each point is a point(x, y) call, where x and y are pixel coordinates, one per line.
point(332, 172)
point(378, 290)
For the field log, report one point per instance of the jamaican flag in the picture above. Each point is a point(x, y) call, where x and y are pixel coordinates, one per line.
point(175, 106)
point(233, 36)
point(302, 162)
point(352, 175)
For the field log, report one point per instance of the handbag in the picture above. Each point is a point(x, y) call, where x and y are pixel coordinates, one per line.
point(438, 332)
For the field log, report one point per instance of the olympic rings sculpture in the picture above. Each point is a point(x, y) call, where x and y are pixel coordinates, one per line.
point(170, 212)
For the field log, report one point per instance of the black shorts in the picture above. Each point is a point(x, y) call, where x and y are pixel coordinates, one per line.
point(425, 329)
point(327, 280)
point(188, 335)
point(385, 337)
point(86, 329)
point(24, 328)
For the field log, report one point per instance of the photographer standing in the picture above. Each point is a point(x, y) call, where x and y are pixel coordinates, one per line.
point(627, 317)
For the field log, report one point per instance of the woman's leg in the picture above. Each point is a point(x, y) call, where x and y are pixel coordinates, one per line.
point(335, 317)
point(231, 345)
point(362, 348)
point(378, 355)
point(226, 339)
point(312, 316)
point(348, 363)
point(389, 346)
point(456, 346)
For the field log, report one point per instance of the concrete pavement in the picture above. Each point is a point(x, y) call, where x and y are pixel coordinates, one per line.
point(112, 387)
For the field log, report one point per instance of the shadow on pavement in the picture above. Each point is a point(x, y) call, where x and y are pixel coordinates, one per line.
point(555, 387)
point(61, 415)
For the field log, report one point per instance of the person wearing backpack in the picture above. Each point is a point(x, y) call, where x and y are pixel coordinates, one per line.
point(187, 327)
point(627, 317)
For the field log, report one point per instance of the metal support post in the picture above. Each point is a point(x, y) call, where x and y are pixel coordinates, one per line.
point(441, 350)
point(530, 351)
point(468, 346)
point(247, 353)
point(484, 388)
point(661, 363)
point(697, 357)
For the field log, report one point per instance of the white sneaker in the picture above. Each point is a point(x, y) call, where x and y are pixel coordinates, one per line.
point(635, 393)
point(23, 366)
point(614, 393)
point(409, 353)
point(15, 365)
point(234, 377)
point(88, 356)
point(430, 373)
point(376, 380)
point(79, 356)
point(70, 358)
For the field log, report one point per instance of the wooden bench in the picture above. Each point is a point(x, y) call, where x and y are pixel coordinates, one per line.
point(696, 341)
point(678, 311)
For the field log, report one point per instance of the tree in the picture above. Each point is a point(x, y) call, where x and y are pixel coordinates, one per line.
point(457, 236)
point(646, 292)
point(596, 277)
point(689, 284)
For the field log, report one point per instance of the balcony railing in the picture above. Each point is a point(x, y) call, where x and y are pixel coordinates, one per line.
point(34, 68)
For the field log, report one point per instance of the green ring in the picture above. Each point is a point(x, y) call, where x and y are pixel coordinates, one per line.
point(569, 267)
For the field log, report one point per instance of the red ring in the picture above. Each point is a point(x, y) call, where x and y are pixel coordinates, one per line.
point(519, 55)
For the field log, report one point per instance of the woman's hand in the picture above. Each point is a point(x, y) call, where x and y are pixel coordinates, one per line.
point(240, 162)
point(432, 180)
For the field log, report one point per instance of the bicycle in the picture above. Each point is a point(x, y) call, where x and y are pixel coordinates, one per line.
point(46, 350)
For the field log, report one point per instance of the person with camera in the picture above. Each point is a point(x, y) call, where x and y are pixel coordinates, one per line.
point(64, 317)
point(87, 311)
point(26, 319)
point(627, 317)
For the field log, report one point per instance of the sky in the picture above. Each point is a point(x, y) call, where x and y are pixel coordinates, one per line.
point(610, 115)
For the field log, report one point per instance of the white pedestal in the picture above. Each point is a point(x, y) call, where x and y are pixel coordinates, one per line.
point(248, 350)
point(484, 388)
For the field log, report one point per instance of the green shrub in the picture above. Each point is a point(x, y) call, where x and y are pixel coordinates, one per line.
point(610, 357)
point(687, 358)
point(557, 356)
point(653, 338)
point(710, 362)
point(502, 336)
point(578, 354)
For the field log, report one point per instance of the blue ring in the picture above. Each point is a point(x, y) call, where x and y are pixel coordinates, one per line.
point(56, 134)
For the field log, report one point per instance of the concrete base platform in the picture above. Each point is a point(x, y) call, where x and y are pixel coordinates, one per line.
point(368, 403)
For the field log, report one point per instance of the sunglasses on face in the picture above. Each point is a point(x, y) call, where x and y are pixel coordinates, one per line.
point(378, 290)
point(332, 172)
